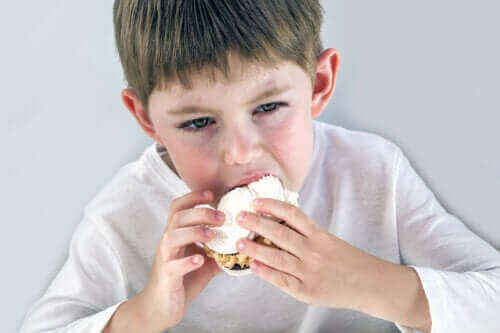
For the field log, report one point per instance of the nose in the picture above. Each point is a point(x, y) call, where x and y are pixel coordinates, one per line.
point(241, 146)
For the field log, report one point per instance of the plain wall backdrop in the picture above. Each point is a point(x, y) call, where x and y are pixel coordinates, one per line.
point(423, 74)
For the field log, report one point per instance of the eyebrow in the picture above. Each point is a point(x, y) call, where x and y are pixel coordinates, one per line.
point(197, 109)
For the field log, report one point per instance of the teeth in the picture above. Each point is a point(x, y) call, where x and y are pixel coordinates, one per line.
point(239, 199)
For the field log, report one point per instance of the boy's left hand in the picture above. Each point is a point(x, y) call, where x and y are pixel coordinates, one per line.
point(313, 265)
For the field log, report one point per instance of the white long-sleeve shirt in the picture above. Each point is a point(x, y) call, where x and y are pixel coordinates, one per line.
point(360, 187)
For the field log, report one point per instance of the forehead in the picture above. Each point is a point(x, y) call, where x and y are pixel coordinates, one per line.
point(243, 75)
point(246, 83)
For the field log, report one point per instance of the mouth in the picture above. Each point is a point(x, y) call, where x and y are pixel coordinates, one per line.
point(250, 179)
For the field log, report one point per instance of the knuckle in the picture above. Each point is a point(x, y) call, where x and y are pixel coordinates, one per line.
point(174, 204)
point(165, 239)
point(291, 212)
point(293, 284)
point(294, 265)
point(279, 260)
point(208, 214)
point(175, 217)
point(301, 242)
point(283, 280)
point(282, 233)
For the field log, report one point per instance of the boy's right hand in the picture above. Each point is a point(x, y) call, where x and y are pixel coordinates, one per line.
point(175, 280)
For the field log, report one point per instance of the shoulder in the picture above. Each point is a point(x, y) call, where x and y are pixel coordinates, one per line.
point(133, 195)
point(344, 145)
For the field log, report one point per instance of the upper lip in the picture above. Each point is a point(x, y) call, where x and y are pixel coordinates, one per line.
point(251, 177)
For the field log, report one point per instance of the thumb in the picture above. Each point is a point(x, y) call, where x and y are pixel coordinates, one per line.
point(196, 281)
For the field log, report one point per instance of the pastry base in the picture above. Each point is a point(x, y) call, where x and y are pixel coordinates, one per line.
point(237, 261)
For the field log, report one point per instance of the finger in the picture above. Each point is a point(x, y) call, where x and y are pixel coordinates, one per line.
point(194, 283)
point(197, 216)
point(214, 269)
point(175, 269)
point(292, 215)
point(189, 200)
point(286, 282)
point(273, 257)
point(181, 237)
point(284, 237)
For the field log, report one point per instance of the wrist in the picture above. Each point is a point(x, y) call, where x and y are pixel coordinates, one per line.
point(134, 316)
point(145, 314)
point(394, 293)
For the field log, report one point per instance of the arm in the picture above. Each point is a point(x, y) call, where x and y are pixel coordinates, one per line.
point(458, 271)
point(131, 316)
point(395, 293)
point(86, 291)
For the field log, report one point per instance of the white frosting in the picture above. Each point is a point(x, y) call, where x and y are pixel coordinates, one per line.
point(239, 199)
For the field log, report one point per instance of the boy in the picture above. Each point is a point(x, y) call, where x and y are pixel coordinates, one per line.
point(228, 90)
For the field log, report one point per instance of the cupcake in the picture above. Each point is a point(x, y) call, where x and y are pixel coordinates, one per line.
point(222, 248)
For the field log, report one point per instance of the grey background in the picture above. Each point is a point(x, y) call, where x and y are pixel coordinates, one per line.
point(423, 74)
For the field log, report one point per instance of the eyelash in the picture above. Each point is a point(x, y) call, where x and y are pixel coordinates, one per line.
point(185, 126)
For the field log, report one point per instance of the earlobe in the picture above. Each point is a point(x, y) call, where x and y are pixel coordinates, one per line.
point(324, 85)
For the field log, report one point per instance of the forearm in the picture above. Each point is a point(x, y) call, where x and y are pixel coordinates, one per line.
point(395, 293)
point(131, 316)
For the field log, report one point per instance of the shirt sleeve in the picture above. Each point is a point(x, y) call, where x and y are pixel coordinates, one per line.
point(86, 291)
point(459, 271)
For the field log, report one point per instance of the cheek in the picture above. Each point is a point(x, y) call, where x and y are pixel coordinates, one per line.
point(288, 135)
point(188, 164)
point(281, 139)
point(196, 158)
point(291, 145)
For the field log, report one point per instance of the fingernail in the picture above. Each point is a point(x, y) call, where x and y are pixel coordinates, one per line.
point(209, 232)
point(219, 216)
point(195, 259)
point(206, 193)
point(240, 246)
point(242, 216)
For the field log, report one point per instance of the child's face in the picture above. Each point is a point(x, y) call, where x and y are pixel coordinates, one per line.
point(238, 133)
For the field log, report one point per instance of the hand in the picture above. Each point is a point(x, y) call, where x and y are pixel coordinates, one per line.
point(313, 265)
point(175, 280)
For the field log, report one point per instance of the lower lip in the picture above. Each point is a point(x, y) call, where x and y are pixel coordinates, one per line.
point(250, 180)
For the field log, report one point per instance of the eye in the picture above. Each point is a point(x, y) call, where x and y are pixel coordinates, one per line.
point(269, 107)
point(197, 125)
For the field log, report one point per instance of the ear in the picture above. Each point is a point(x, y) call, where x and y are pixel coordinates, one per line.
point(134, 105)
point(326, 74)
